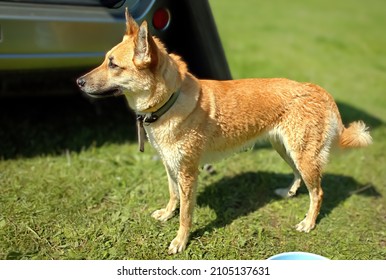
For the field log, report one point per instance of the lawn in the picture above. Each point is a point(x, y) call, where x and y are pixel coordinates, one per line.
point(74, 186)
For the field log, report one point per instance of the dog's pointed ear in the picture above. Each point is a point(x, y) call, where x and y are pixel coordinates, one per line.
point(145, 50)
point(131, 25)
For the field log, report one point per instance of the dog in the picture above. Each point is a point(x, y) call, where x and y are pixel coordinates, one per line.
point(191, 122)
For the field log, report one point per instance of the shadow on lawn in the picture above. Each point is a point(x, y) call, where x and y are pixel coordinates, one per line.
point(234, 197)
point(36, 126)
point(51, 125)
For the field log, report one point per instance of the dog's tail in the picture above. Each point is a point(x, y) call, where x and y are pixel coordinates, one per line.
point(356, 135)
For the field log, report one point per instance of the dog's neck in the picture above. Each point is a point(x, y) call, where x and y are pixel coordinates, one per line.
point(167, 80)
point(152, 117)
point(155, 115)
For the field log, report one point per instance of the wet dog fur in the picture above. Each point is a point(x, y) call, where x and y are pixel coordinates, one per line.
point(212, 119)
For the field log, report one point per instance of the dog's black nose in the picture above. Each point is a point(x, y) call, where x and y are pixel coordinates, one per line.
point(81, 82)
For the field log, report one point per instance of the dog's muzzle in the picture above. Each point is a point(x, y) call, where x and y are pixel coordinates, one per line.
point(90, 91)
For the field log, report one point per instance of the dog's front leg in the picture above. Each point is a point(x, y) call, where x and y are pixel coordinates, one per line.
point(166, 213)
point(187, 183)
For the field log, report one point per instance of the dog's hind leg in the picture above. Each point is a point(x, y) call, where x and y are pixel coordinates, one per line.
point(168, 212)
point(311, 175)
point(282, 151)
point(311, 155)
point(310, 159)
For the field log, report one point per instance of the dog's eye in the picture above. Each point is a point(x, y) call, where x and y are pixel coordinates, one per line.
point(112, 65)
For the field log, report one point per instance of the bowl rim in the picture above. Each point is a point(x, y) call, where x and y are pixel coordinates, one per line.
point(314, 256)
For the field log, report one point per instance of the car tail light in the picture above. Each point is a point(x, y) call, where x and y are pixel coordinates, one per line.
point(161, 19)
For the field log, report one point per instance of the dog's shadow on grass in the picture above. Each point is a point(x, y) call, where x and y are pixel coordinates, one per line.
point(234, 197)
point(51, 125)
point(350, 114)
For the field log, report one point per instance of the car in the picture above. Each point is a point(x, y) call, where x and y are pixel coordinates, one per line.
point(46, 44)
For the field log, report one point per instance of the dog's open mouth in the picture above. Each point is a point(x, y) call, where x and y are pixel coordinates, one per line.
point(108, 93)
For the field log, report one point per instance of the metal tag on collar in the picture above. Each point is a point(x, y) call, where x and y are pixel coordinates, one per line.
point(150, 119)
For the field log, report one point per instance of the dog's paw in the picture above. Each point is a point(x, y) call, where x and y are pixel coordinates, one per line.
point(285, 192)
point(305, 226)
point(162, 215)
point(177, 246)
point(282, 192)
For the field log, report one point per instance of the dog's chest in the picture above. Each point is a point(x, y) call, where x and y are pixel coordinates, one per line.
point(164, 141)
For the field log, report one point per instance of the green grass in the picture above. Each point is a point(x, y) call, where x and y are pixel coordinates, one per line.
point(74, 186)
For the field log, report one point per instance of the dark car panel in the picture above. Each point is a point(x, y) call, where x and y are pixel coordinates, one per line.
point(38, 36)
point(57, 40)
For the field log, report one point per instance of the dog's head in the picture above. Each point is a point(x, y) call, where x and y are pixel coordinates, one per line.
point(139, 67)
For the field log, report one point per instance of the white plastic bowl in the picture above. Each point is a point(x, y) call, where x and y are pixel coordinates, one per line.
point(297, 256)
